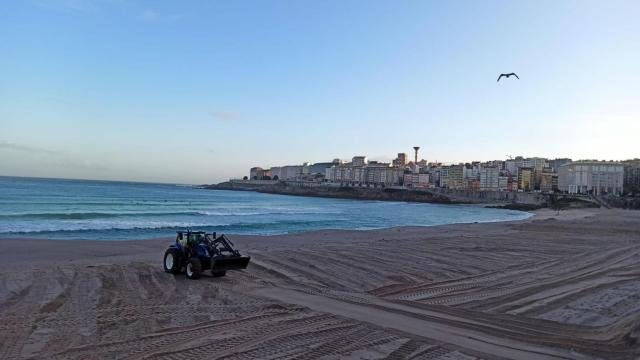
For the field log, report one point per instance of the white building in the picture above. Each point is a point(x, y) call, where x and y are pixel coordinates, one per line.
point(503, 183)
point(255, 173)
point(344, 174)
point(359, 161)
point(410, 180)
point(372, 173)
point(470, 172)
point(489, 178)
point(377, 173)
point(276, 173)
point(537, 163)
point(289, 172)
point(416, 180)
point(423, 180)
point(511, 166)
point(444, 177)
point(591, 177)
point(330, 173)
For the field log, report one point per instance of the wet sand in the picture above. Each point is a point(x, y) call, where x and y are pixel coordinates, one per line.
point(556, 286)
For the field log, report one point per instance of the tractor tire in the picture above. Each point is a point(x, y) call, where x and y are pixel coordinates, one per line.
point(218, 273)
point(172, 261)
point(194, 268)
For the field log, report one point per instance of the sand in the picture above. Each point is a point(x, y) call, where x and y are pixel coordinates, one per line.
point(557, 286)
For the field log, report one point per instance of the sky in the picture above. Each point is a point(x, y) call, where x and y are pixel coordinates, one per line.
point(200, 91)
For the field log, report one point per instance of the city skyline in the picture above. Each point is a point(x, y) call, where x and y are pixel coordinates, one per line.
point(164, 92)
point(381, 160)
point(499, 177)
point(410, 157)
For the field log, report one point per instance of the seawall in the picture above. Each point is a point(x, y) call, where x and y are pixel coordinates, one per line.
point(526, 201)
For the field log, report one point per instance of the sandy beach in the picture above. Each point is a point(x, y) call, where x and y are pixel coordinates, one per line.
point(556, 286)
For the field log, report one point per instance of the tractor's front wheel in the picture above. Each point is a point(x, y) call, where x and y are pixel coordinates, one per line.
point(172, 261)
point(194, 268)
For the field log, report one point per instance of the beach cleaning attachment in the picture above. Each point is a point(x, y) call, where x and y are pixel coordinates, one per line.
point(225, 257)
point(196, 251)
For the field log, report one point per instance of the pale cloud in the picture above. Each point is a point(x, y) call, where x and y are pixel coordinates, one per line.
point(80, 164)
point(7, 145)
point(50, 156)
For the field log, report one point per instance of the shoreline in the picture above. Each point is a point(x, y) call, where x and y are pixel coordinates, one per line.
point(532, 215)
point(537, 216)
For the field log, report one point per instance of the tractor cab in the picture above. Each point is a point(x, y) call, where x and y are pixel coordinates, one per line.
point(190, 238)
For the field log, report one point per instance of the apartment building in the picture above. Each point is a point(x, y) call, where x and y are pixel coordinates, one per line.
point(548, 180)
point(591, 177)
point(556, 163)
point(489, 178)
point(401, 160)
point(456, 177)
point(443, 177)
point(503, 183)
point(416, 180)
point(526, 179)
point(359, 161)
point(631, 183)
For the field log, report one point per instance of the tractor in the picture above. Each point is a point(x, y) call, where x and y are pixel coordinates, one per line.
point(196, 251)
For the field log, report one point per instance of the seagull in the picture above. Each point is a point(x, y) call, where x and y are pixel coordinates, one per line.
point(507, 76)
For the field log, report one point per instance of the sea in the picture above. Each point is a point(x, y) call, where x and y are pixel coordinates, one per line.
point(110, 210)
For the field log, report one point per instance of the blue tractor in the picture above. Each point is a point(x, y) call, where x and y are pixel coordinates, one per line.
point(196, 251)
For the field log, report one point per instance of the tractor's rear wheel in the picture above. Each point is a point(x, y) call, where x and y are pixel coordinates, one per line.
point(172, 261)
point(218, 273)
point(194, 268)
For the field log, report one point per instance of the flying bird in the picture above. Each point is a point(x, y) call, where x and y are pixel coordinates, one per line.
point(507, 76)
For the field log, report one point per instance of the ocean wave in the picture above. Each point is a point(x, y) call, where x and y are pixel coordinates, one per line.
point(107, 215)
point(90, 215)
point(170, 227)
point(266, 212)
point(95, 226)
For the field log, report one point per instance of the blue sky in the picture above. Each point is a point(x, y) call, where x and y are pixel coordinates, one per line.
point(199, 91)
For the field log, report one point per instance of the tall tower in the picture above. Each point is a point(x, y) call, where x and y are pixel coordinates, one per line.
point(416, 148)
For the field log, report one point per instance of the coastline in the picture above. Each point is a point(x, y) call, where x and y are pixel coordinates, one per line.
point(531, 215)
point(352, 193)
point(138, 215)
point(530, 289)
point(536, 215)
point(521, 201)
point(513, 200)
